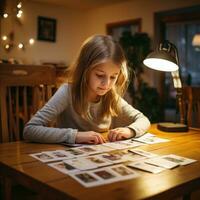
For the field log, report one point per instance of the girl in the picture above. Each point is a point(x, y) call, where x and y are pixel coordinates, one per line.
point(92, 103)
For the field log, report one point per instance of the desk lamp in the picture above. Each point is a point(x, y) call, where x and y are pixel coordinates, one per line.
point(165, 58)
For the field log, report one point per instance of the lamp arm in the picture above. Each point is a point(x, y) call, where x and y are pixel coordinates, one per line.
point(176, 79)
point(178, 87)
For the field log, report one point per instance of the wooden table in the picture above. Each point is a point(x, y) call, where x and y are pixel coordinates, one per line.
point(16, 165)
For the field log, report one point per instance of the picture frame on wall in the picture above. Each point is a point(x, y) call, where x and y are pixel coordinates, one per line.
point(46, 29)
point(117, 29)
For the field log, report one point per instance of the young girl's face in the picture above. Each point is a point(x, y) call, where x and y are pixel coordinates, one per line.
point(101, 79)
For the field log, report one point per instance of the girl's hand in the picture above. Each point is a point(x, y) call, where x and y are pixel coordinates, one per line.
point(120, 134)
point(89, 137)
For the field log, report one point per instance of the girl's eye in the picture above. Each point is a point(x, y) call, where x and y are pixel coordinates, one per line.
point(99, 75)
point(113, 77)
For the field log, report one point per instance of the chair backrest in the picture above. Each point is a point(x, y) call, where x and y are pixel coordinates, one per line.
point(23, 90)
point(191, 105)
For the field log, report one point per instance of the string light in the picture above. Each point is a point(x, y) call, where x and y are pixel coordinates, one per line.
point(8, 40)
point(31, 41)
point(5, 15)
point(4, 37)
point(19, 5)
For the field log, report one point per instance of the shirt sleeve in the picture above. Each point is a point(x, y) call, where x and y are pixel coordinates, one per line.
point(131, 118)
point(36, 129)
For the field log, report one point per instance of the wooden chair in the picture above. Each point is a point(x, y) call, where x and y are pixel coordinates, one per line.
point(191, 106)
point(24, 89)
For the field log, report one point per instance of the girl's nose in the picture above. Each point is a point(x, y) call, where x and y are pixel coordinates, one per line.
point(105, 82)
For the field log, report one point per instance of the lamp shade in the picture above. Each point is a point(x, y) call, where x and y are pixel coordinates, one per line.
point(162, 61)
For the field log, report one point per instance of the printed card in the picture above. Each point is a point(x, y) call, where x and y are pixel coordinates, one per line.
point(146, 167)
point(132, 143)
point(118, 145)
point(104, 175)
point(81, 164)
point(143, 153)
point(178, 159)
point(123, 172)
point(59, 154)
point(161, 162)
point(87, 179)
point(63, 167)
point(94, 149)
point(44, 157)
point(89, 162)
point(117, 157)
point(149, 138)
point(98, 160)
point(75, 152)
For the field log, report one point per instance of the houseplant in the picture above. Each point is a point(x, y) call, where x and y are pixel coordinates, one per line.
point(144, 97)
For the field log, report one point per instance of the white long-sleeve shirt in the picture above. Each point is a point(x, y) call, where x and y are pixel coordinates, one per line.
point(60, 108)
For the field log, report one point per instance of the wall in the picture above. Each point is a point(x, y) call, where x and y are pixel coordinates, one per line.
point(70, 26)
point(73, 26)
point(132, 10)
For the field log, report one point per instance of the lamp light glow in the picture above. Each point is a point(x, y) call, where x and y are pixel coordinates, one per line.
point(160, 64)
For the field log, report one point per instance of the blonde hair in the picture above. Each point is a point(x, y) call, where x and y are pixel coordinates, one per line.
point(96, 50)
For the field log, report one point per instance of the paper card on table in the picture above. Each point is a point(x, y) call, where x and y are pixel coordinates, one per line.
point(132, 143)
point(59, 154)
point(178, 159)
point(74, 152)
point(63, 167)
point(98, 160)
point(146, 167)
point(100, 148)
point(149, 138)
point(123, 172)
point(82, 163)
point(161, 162)
point(87, 179)
point(143, 153)
point(117, 157)
point(104, 175)
point(88, 149)
point(44, 157)
point(94, 149)
point(117, 145)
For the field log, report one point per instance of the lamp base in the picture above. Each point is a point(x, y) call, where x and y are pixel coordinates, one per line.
point(172, 127)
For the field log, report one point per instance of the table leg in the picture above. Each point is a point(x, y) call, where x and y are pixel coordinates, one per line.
point(6, 188)
point(187, 196)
